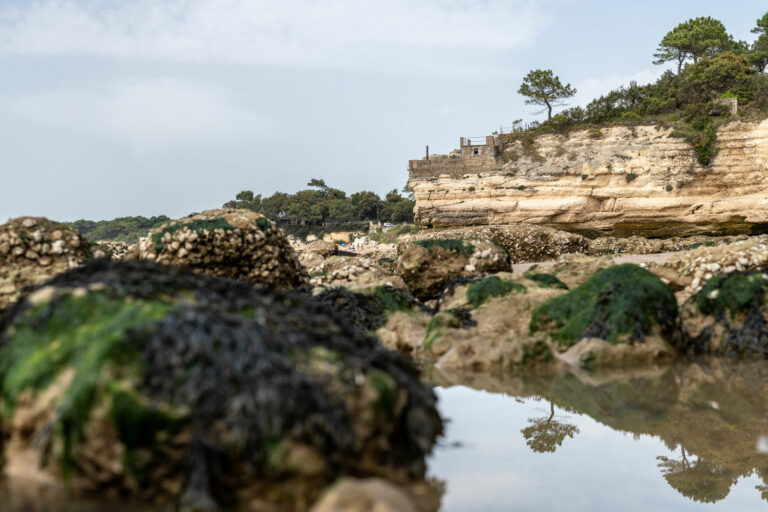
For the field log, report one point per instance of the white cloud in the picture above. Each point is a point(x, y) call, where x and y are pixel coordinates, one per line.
point(144, 114)
point(399, 35)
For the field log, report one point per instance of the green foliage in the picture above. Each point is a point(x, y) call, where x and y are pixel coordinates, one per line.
point(545, 280)
point(617, 302)
point(86, 334)
point(394, 233)
point(459, 246)
point(322, 209)
point(542, 87)
point(493, 286)
point(126, 229)
point(630, 177)
point(693, 39)
point(196, 226)
point(738, 293)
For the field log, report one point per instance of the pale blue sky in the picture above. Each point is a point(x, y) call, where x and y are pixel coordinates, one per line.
point(144, 107)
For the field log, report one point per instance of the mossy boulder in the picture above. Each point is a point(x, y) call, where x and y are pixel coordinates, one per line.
point(236, 244)
point(728, 317)
point(428, 265)
point(33, 249)
point(150, 381)
point(620, 304)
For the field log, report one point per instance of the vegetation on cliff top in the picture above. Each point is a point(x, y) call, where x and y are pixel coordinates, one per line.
point(711, 66)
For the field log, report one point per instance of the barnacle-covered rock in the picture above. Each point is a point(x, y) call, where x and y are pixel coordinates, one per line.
point(140, 379)
point(32, 249)
point(237, 244)
point(428, 265)
point(728, 317)
point(524, 242)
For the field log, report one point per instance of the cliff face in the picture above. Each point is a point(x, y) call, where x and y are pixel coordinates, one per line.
point(622, 180)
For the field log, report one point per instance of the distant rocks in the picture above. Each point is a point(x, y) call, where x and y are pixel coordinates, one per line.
point(32, 249)
point(322, 248)
point(238, 244)
point(524, 242)
point(428, 265)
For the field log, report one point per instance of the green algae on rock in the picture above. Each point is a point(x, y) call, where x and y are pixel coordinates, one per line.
point(492, 286)
point(619, 304)
point(727, 317)
point(148, 380)
point(236, 244)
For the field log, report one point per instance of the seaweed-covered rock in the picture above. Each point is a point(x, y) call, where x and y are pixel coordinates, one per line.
point(428, 265)
point(237, 244)
point(367, 311)
point(524, 242)
point(621, 304)
point(147, 380)
point(728, 317)
point(32, 249)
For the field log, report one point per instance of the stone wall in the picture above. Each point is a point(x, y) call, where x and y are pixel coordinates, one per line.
point(623, 180)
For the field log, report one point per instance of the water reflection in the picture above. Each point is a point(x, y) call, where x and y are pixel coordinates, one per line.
point(546, 434)
point(678, 438)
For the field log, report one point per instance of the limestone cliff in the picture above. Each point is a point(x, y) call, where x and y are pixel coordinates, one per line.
point(620, 180)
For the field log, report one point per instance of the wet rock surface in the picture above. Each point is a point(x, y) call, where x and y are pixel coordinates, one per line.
point(361, 273)
point(32, 249)
point(171, 386)
point(524, 242)
point(428, 266)
point(236, 244)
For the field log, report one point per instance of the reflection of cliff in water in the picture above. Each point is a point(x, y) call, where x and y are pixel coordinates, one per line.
point(712, 414)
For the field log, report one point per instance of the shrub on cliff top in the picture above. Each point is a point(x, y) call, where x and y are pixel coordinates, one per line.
point(617, 304)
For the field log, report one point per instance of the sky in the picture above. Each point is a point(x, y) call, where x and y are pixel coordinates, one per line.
point(111, 108)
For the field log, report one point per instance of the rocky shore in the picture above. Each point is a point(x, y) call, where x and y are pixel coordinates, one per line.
point(212, 366)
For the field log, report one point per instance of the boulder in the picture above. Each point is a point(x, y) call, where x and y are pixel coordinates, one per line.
point(623, 304)
point(368, 495)
point(322, 248)
point(360, 273)
point(32, 249)
point(428, 265)
point(525, 243)
point(237, 244)
point(728, 317)
point(138, 379)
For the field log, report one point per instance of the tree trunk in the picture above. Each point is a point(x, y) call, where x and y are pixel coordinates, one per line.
point(549, 110)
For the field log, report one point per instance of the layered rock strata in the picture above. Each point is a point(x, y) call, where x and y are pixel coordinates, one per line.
point(616, 180)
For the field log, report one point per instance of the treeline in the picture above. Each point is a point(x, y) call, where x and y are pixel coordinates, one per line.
point(126, 229)
point(321, 209)
point(709, 65)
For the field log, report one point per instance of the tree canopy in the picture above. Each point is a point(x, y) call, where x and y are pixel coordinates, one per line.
point(693, 39)
point(542, 87)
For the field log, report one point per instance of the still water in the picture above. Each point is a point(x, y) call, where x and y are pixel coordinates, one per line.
point(689, 437)
point(675, 439)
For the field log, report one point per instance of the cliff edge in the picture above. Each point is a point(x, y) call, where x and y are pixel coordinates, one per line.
point(620, 180)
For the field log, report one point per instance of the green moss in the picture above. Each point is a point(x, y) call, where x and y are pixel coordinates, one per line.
point(624, 300)
point(386, 391)
point(459, 246)
point(264, 224)
point(545, 280)
point(196, 226)
point(85, 334)
point(738, 293)
point(139, 424)
point(437, 325)
point(392, 299)
point(493, 286)
point(630, 177)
